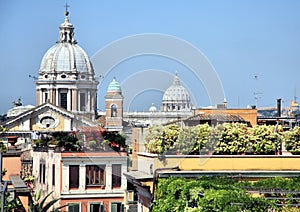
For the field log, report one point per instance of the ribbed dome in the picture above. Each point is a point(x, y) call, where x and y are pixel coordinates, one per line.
point(176, 92)
point(114, 86)
point(66, 55)
point(176, 97)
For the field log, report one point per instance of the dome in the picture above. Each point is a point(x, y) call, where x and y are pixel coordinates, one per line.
point(176, 97)
point(66, 55)
point(176, 92)
point(18, 110)
point(153, 108)
point(114, 86)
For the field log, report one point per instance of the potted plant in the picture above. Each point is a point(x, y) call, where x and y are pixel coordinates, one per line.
point(93, 144)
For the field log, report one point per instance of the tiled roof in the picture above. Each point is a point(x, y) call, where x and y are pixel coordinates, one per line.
point(217, 117)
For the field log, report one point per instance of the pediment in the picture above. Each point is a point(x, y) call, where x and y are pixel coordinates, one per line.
point(46, 117)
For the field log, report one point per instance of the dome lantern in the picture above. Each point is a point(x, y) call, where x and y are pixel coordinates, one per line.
point(66, 30)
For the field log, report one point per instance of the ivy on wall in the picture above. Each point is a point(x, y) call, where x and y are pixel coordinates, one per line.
point(226, 194)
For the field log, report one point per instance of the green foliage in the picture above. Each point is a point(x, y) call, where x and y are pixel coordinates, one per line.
point(292, 140)
point(264, 140)
point(60, 139)
point(207, 195)
point(227, 138)
point(187, 141)
point(10, 205)
point(2, 129)
point(278, 188)
point(39, 205)
point(275, 183)
point(93, 144)
point(233, 139)
point(161, 139)
point(66, 140)
point(3, 148)
point(114, 138)
point(104, 139)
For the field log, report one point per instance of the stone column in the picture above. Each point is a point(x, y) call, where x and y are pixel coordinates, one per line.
point(38, 97)
point(88, 108)
point(123, 178)
point(108, 176)
point(69, 99)
point(65, 178)
point(74, 100)
point(82, 177)
point(56, 95)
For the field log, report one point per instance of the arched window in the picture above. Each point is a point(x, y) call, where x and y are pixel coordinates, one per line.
point(113, 109)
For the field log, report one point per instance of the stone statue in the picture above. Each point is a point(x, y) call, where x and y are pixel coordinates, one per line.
point(17, 103)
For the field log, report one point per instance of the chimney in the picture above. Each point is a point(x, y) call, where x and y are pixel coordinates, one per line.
point(279, 107)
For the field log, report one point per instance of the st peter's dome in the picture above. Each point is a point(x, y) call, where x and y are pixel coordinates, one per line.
point(176, 97)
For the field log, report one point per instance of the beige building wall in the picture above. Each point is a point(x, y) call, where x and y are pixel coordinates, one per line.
point(12, 163)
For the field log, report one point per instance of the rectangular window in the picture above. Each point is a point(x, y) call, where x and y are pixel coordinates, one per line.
point(73, 176)
point(116, 175)
point(46, 97)
point(95, 175)
point(117, 207)
point(96, 207)
point(63, 100)
point(44, 173)
point(82, 102)
point(73, 207)
point(41, 172)
point(53, 174)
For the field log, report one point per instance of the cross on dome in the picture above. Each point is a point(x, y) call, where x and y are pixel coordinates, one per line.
point(66, 32)
point(66, 6)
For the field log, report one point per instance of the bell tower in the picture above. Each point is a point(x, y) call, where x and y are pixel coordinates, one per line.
point(114, 107)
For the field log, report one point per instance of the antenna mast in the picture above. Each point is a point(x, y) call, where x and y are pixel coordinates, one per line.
point(256, 93)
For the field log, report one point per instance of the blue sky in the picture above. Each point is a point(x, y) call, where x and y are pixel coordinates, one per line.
point(239, 38)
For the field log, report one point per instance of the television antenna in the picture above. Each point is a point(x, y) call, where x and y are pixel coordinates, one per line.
point(256, 92)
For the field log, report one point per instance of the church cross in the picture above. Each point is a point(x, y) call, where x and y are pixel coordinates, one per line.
point(66, 6)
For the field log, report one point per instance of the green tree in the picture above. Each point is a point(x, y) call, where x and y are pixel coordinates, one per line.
point(39, 205)
point(10, 205)
point(292, 140)
point(161, 139)
point(2, 146)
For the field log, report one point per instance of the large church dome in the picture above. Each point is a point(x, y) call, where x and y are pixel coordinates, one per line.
point(176, 97)
point(66, 76)
point(66, 56)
